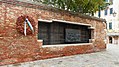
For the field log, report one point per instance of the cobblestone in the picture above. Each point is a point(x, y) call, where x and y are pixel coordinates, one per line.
point(108, 58)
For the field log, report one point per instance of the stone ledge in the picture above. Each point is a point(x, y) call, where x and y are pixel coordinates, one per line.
point(63, 45)
point(63, 21)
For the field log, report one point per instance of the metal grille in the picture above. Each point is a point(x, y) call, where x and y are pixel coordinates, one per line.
point(44, 32)
point(55, 33)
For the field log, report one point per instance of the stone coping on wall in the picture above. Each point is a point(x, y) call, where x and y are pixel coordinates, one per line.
point(63, 45)
point(92, 28)
point(31, 4)
point(63, 21)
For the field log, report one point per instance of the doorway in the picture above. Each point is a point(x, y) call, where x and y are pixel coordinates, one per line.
point(110, 39)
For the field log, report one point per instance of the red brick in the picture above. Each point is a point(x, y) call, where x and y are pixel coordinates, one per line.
point(15, 47)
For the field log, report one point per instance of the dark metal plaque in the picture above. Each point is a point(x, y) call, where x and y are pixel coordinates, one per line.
point(72, 35)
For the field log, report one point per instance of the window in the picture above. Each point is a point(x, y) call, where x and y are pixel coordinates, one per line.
point(106, 12)
point(106, 0)
point(99, 13)
point(109, 1)
point(110, 25)
point(111, 10)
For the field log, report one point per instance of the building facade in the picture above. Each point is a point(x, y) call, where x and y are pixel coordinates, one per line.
point(111, 14)
point(31, 31)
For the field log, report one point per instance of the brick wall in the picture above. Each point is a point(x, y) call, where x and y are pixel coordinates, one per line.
point(15, 47)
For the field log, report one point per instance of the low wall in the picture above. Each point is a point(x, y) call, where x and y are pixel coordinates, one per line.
point(15, 47)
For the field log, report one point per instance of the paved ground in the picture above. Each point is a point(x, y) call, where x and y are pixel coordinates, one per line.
point(108, 58)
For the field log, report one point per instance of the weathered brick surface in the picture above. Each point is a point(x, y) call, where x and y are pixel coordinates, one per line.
point(48, 52)
point(15, 47)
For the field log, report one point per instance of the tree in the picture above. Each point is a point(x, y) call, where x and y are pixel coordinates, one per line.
point(82, 6)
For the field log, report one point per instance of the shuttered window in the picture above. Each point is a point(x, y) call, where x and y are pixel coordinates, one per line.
point(111, 10)
point(110, 25)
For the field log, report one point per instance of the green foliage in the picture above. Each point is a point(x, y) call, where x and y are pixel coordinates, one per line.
point(82, 6)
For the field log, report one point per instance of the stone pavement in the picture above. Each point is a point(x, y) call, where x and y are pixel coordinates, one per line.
point(108, 58)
